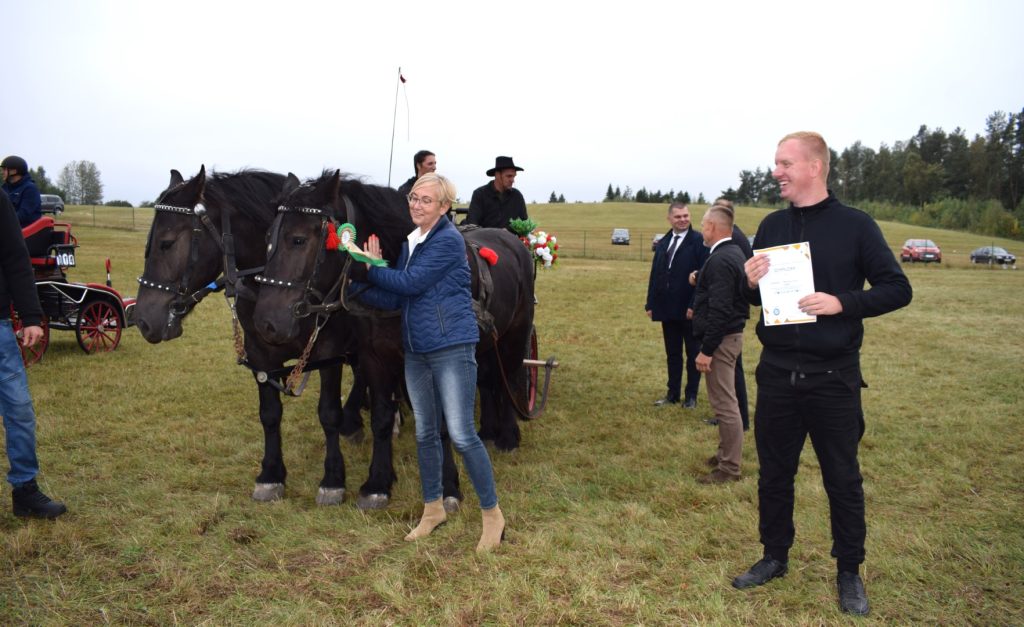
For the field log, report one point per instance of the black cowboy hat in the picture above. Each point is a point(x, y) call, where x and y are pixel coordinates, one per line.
point(503, 163)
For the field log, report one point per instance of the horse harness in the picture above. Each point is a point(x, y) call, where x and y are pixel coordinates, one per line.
point(229, 280)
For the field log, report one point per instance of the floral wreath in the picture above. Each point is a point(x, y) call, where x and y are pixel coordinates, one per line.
point(543, 246)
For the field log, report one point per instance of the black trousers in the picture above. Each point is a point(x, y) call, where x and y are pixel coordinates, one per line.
point(678, 334)
point(741, 392)
point(826, 406)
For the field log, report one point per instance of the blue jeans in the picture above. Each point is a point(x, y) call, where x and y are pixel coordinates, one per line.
point(442, 385)
point(16, 407)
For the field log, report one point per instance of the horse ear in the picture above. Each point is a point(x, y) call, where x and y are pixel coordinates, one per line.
point(335, 184)
point(291, 183)
point(176, 179)
point(201, 176)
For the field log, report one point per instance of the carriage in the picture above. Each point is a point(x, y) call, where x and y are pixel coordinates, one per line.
point(96, 312)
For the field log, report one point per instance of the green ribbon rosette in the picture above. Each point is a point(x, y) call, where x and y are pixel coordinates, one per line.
point(347, 241)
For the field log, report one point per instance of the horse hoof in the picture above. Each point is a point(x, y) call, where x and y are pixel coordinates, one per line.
point(356, 437)
point(451, 504)
point(372, 501)
point(330, 496)
point(267, 492)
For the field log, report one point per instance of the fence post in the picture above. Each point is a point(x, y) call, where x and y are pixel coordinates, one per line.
point(584, 244)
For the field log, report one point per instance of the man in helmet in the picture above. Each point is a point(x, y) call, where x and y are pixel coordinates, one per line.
point(21, 189)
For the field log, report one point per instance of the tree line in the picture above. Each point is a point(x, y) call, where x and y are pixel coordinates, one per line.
point(79, 183)
point(615, 194)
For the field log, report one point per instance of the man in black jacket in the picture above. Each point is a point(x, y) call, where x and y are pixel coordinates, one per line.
point(17, 287)
point(497, 202)
point(670, 301)
point(720, 311)
point(809, 379)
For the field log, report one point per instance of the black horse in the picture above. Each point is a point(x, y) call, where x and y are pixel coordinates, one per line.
point(299, 266)
point(212, 230)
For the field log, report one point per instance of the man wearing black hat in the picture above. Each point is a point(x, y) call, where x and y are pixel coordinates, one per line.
point(497, 202)
point(21, 189)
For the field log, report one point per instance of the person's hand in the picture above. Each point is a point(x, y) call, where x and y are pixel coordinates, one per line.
point(648, 313)
point(755, 268)
point(373, 247)
point(31, 335)
point(693, 278)
point(689, 314)
point(820, 304)
point(703, 362)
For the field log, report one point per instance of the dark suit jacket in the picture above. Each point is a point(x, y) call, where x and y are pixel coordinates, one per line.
point(669, 293)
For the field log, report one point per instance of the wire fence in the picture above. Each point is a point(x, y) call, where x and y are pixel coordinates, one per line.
point(122, 218)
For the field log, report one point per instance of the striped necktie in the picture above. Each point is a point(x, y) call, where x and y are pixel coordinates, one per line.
point(672, 249)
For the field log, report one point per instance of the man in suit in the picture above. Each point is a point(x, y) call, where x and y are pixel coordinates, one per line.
point(670, 302)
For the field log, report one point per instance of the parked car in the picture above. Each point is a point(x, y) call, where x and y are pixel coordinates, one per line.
point(993, 254)
point(923, 250)
point(52, 203)
point(655, 240)
point(620, 236)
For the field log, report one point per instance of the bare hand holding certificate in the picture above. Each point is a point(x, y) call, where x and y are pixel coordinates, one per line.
point(790, 278)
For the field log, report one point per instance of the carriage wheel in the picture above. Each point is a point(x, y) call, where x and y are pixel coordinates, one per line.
point(99, 327)
point(32, 354)
point(532, 373)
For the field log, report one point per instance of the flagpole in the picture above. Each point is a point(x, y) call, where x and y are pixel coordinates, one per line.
point(394, 117)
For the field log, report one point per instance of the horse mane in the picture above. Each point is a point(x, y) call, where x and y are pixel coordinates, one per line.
point(247, 191)
point(380, 210)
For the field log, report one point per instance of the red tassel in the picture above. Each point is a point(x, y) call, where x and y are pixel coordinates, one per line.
point(332, 239)
point(489, 255)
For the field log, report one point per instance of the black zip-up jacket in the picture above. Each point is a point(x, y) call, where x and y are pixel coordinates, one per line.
point(847, 248)
point(720, 307)
point(17, 281)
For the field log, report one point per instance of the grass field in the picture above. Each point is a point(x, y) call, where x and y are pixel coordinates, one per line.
point(155, 449)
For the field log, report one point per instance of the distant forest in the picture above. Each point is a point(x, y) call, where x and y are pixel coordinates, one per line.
point(933, 178)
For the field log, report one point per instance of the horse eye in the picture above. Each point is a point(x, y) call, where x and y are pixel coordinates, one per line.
point(166, 244)
point(298, 241)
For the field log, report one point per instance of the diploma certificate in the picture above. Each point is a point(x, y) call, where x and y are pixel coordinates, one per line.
point(789, 279)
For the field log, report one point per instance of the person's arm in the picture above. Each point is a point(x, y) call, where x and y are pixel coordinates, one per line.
point(433, 262)
point(520, 209)
point(475, 213)
point(721, 285)
point(374, 296)
point(30, 208)
point(890, 288)
point(16, 266)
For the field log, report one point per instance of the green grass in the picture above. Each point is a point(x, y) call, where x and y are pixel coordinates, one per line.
point(155, 449)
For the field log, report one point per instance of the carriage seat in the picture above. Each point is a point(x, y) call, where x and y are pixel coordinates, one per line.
point(38, 237)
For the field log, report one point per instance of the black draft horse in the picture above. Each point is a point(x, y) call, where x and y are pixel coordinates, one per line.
point(217, 224)
point(300, 266)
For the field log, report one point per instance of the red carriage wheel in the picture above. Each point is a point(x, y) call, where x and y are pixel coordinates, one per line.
point(532, 373)
point(99, 327)
point(31, 354)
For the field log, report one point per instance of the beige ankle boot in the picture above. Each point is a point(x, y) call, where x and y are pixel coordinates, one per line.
point(433, 515)
point(494, 529)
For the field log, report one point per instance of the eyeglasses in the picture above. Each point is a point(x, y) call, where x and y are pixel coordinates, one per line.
point(425, 201)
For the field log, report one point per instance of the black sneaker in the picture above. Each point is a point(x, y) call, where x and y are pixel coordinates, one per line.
point(668, 400)
point(690, 403)
point(761, 573)
point(852, 597)
point(30, 501)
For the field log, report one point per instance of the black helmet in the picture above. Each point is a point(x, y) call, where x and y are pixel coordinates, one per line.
point(15, 163)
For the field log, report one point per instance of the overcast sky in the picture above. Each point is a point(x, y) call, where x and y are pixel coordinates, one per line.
point(659, 95)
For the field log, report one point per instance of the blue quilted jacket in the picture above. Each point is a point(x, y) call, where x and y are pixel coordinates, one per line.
point(432, 288)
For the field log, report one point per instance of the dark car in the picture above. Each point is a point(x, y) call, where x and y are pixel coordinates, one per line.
point(920, 250)
point(52, 203)
point(620, 236)
point(993, 254)
point(655, 240)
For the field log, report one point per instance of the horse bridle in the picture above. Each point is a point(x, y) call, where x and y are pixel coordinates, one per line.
point(313, 301)
point(183, 299)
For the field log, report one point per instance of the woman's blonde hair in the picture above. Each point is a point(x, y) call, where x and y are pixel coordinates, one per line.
point(445, 187)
